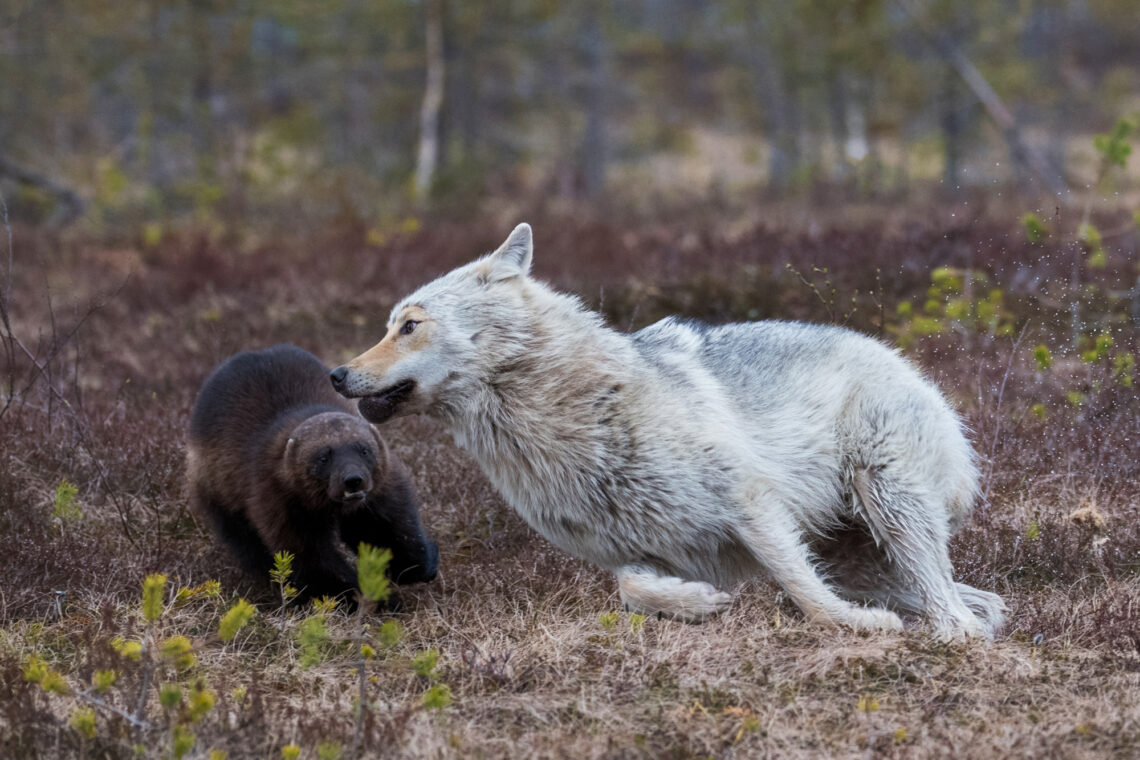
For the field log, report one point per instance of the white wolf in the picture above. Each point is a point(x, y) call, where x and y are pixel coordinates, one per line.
point(687, 457)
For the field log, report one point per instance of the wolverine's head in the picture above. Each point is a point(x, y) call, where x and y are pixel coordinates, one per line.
point(334, 456)
point(430, 343)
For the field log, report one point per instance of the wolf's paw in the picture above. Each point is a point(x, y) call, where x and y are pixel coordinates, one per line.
point(701, 600)
point(960, 628)
point(988, 607)
point(867, 619)
point(666, 596)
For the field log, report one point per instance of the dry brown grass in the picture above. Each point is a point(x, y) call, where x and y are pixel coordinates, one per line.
point(537, 661)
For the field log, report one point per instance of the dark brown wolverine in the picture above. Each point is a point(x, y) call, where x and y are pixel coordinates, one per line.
point(279, 461)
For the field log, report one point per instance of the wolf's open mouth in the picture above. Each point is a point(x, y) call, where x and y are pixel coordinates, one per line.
point(381, 406)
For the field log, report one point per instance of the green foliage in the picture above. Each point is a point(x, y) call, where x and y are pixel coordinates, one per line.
point(83, 721)
point(104, 680)
point(1033, 531)
point(425, 662)
point(371, 569)
point(1040, 411)
point(181, 741)
point(312, 637)
point(437, 697)
point(64, 506)
point(235, 619)
point(179, 652)
point(281, 573)
point(1123, 365)
point(290, 752)
point(608, 620)
point(152, 234)
point(170, 696)
point(153, 590)
point(959, 301)
point(636, 622)
point(1090, 239)
point(1035, 229)
point(199, 701)
point(326, 605)
point(127, 649)
point(37, 671)
point(329, 750)
point(390, 633)
point(111, 184)
point(1101, 346)
point(1114, 147)
point(1043, 356)
point(208, 590)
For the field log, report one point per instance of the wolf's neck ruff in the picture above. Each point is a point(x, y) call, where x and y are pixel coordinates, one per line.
point(541, 422)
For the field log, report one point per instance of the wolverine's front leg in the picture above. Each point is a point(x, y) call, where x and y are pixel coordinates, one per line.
point(650, 593)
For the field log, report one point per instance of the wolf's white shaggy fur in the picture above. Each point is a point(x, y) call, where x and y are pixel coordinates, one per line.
point(686, 458)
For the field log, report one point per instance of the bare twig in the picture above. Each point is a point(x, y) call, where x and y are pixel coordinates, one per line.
point(104, 705)
point(148, 674)
point(997, 413)
point(363, 606)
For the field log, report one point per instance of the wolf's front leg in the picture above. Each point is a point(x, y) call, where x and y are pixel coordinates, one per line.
point(649, 593)
point(779, 548)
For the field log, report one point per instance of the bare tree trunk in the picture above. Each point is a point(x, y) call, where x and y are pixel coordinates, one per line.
point(593, 156)
point(952, 129)
point(838, 108)
point(201, 37)
point(776, 105)
point(1019, 149)
point(428, 154)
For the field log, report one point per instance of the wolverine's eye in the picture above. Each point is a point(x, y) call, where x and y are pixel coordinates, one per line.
point(408, 326)
point(325, 457)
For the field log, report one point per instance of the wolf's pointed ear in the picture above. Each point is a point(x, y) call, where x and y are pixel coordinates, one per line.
point(513, 257)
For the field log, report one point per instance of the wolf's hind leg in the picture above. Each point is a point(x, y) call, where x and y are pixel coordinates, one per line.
point(780, 549)
point(649, 593)
point(914, 535)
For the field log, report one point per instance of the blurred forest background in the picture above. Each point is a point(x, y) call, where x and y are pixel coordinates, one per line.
point(132, 110)
point(184, 179)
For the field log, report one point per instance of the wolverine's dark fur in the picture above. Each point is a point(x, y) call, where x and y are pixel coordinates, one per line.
point(279, 461)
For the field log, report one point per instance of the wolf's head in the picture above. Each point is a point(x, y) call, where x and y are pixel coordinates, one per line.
point(445, 336)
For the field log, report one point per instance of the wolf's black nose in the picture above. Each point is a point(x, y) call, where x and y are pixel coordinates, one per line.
point(337, 376)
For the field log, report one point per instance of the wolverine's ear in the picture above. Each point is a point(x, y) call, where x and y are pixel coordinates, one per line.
point(289, 453)
point(513, 257)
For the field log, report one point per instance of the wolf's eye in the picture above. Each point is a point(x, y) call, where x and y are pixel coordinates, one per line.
point(408, 326)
